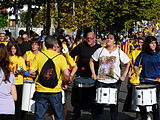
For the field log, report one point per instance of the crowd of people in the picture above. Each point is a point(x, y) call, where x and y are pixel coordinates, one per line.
point(44, 66)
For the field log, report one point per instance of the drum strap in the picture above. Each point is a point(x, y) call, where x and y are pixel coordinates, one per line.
point(101, 52)
point(119, 58)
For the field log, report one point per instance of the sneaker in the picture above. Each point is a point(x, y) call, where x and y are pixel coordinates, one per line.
point(149, 117)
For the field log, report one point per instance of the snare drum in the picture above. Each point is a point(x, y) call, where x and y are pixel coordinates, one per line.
point(134, 107)
point(27, 103)
point(106, 96)
point(145, 95)
point(83, 93)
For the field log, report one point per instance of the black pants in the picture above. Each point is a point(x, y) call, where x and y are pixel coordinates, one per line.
point(82, 99)
point(19, 114)
point(7, 117)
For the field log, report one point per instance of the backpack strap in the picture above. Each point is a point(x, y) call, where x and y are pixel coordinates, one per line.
point(50, 58)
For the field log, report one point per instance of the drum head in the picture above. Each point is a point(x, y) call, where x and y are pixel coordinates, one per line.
point(85, 80)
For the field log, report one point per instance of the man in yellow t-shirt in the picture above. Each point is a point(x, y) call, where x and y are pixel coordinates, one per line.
point(45, 95)
point(29, 56)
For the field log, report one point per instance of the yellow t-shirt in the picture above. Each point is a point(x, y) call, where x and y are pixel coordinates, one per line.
point(69, 59)
point(5, 43)
point(130, 48)
point(15, 63)
point(132, 56)
point(44, 47)
point(60, 65)
point(29, 58)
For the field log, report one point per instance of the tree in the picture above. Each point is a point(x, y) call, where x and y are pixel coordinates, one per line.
point(114, 15)
point(3, 19)
point(102, 15)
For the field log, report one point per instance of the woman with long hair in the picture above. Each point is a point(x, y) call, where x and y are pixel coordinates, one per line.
point(8, 92)
point(149, 59)
point(17, 66)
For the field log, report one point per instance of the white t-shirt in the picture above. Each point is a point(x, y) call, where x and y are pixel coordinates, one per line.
point(109, 64)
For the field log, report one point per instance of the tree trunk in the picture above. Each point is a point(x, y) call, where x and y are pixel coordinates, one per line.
point(48, 22)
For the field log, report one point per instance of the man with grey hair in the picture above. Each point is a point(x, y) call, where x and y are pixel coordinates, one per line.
point(47, 95)
point(83, 98)
point(3, 37)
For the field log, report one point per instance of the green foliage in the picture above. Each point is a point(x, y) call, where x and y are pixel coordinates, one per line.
point(3, 19)
point(106, 15)
point(6, 3)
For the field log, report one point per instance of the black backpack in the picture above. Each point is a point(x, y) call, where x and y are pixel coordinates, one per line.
point(48, 75)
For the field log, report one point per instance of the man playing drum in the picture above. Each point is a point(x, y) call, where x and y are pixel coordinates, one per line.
point(83, 91)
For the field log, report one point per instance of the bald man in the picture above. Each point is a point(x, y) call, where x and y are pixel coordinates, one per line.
point(84, 51)
point(25, 45)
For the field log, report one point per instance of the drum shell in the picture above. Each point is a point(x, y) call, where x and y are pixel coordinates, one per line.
point(27, 103)
point(134, 107)
point(83, 93)
point(106, 96)
point(145, 95)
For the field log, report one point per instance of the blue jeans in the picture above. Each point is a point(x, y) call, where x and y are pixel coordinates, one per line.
point(41, 105)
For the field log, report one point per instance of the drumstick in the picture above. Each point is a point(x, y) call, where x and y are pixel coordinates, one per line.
point(157, 79)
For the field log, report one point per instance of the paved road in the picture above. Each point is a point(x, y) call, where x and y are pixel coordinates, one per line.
point(87, 115)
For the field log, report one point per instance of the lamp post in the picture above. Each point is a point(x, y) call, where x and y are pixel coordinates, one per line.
point(59, 16)
point(48, 22)
point(16, 18)
point(28, 25)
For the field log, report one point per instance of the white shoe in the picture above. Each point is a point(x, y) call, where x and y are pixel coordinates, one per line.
point(149, 117)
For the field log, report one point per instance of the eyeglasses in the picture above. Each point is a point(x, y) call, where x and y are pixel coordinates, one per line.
point(90, 38)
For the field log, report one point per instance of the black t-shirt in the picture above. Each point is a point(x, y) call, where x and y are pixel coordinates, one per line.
point(25, 46)
point(84, 52)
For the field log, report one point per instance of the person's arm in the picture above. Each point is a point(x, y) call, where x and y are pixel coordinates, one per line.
point(33, 67)
point(66, 75)
point(73, 72)
point(72, 63)
point(91, 64)
point(123, 77)
point(137, 64)
point(32, 72)
point(14, 92)
point(136, 71)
